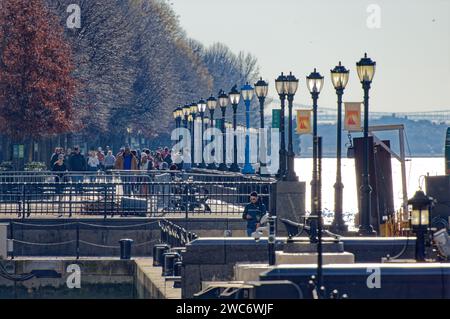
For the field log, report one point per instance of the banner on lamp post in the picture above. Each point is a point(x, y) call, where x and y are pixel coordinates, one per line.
point(352, 118)
point(304, 121)
point(276, 118)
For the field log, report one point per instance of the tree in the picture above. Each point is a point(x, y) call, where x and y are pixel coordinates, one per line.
point(36, 83)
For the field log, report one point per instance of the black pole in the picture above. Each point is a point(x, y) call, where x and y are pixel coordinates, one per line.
point(211, 165)
point(271, 241)
point(338, 224)
point(290, 176)
point(282, 169)
point(11, 236)
point(223, 165)
point(420, 244)
point(314, 199)
point(319, 213)
point(365, 227)
point(234, 167)
point(78, 241)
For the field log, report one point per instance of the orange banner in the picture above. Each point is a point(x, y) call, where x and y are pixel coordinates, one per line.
point(304, 122)
point(352, 119)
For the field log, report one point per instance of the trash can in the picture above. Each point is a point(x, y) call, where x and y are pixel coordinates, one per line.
point(158, 254)
point(125, 248)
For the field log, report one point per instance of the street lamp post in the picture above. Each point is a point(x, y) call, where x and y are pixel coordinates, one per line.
point(281, 85)
point(193, 114)
point(339, 78)
point(261, 90)
point(314, 82)
point(186, 111)
point(178, 114)
point(211, 102)
point(223, 103)
point(366, 72)
point(292, 89)
point(202, 108)
point(235, 96)
point(420, 220)
point(247, 93)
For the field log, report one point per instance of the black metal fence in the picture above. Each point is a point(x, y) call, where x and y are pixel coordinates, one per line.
point(129, 194)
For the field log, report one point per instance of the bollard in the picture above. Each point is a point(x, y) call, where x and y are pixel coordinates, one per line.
point(158, 254)
point(125, 248)
point(169, 262)
point(177, 268)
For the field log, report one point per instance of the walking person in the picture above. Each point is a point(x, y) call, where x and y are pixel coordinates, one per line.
point(93, 165)
point(101, 158)
point(54, 156)
point(77, 163)
point(253, 212)
point(60, 168)
point(110, 162)
point(128, 162)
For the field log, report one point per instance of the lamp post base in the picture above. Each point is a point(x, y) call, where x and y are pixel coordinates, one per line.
point(338, 228)
point(366, 231)
point(201, 165)
point(291, 177)
point(223, 167)
point(235, 168)
point(248, 169)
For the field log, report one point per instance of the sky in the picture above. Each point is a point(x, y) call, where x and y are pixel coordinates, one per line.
point(408, 39)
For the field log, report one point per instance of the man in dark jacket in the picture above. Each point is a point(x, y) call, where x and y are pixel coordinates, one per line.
point(253, 212)
point(77, 163)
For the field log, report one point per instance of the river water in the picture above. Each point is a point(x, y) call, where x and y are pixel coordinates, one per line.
point(415, 167)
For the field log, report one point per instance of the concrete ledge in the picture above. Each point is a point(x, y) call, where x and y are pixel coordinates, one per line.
point(150, 284)
point(311, 258)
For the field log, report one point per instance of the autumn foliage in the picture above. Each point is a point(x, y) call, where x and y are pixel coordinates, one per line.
point(36, 84)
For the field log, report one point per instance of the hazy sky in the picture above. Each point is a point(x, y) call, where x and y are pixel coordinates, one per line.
point(411, 47)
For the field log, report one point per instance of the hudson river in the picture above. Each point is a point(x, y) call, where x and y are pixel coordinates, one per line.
point(415, 167)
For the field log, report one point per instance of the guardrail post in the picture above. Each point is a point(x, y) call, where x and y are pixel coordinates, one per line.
point(23, 201)
point(78, 241)
point(11, 235)
point(105, 201)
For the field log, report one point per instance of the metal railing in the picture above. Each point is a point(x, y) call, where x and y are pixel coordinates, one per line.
point(175, 235)
point(146, 196)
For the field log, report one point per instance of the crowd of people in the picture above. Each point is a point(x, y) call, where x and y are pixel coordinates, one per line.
point(99, 160)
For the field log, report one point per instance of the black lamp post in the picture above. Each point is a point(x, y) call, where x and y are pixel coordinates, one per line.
point(420, 220)
point(281, 85)
point(292, 89)
point(186, 111)
point(193, 114)
point(339, 77)
point(235, 96)
point(211, 103)
point(261, 90)
point(366, 71)
point(201, 105)
point(314, 82)
point(223, 103)
point(178, 114)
